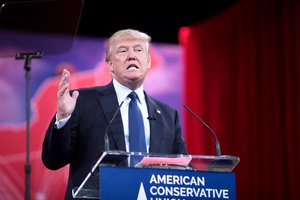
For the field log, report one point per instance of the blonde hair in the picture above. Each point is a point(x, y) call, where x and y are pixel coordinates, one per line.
point(126, 34)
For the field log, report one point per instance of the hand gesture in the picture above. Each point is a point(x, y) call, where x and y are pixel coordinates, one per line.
point(65, 102)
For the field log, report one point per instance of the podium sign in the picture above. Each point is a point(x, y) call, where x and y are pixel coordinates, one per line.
point(152, 184)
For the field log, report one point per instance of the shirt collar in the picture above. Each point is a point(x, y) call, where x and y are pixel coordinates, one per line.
point(122, 91)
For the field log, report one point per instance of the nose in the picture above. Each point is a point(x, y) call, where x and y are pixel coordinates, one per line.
point(131, 54)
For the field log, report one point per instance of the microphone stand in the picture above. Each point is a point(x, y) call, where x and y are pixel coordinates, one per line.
point(217, 144)
point(27, 57)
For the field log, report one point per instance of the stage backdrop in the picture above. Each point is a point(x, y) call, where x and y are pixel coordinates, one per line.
point(86, 63)
point(242, 75)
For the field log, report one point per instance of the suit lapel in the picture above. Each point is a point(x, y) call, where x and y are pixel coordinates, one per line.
point(155, 125)
point(109, 103)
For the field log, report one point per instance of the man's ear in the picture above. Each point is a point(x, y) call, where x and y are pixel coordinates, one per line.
point(111, 69)
point(149, 62)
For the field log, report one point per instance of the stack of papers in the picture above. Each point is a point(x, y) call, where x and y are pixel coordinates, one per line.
point(165, 162)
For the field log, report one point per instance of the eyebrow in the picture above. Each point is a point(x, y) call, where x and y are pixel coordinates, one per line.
point(123, 46)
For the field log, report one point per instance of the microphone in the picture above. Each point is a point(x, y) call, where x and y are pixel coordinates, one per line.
point(217, 145)
point(151, 117)
point(154, 114)
point(106, 140)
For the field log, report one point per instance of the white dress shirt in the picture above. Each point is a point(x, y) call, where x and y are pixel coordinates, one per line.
point(122, 95)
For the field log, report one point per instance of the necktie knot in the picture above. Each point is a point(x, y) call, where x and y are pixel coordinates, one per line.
point(132, 95)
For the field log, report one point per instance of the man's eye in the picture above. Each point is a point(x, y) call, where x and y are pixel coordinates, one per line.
point(122, 50)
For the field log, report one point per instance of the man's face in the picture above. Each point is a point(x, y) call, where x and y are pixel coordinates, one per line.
point(129, 62)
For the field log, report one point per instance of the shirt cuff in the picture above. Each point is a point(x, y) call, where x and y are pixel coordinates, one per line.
point(60, 123)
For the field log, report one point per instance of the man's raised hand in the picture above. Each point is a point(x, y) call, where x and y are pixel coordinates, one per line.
point(65, 101)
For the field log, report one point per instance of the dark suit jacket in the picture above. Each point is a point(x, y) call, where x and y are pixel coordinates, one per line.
point(81, 141)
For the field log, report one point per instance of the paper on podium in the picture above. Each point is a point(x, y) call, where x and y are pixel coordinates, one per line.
point(165, 162)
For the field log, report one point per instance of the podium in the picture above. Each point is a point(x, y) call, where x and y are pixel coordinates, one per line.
point(159, 176)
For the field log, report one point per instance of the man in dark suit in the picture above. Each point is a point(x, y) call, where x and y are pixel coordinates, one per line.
point(76, 134)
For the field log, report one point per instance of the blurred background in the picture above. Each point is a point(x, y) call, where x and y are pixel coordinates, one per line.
point(235, 63)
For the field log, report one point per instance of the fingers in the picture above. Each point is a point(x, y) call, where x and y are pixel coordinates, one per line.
point(75, 95)
point(64, 83)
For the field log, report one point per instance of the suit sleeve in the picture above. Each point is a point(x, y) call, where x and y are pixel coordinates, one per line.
point(58, 144)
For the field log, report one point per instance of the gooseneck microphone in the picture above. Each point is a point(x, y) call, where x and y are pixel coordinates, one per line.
point(217, 145)
point(106, 140)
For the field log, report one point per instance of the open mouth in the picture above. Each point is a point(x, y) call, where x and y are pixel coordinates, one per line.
point(132, 66)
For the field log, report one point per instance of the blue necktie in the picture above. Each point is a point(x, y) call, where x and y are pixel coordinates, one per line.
point(137, 142)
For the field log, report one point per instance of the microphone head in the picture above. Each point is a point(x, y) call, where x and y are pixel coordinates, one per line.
point(151, 117)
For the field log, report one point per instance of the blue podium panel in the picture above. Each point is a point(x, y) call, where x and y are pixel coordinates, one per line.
point(165, 184)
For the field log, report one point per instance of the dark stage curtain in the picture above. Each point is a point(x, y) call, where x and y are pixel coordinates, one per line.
point(242, 77)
